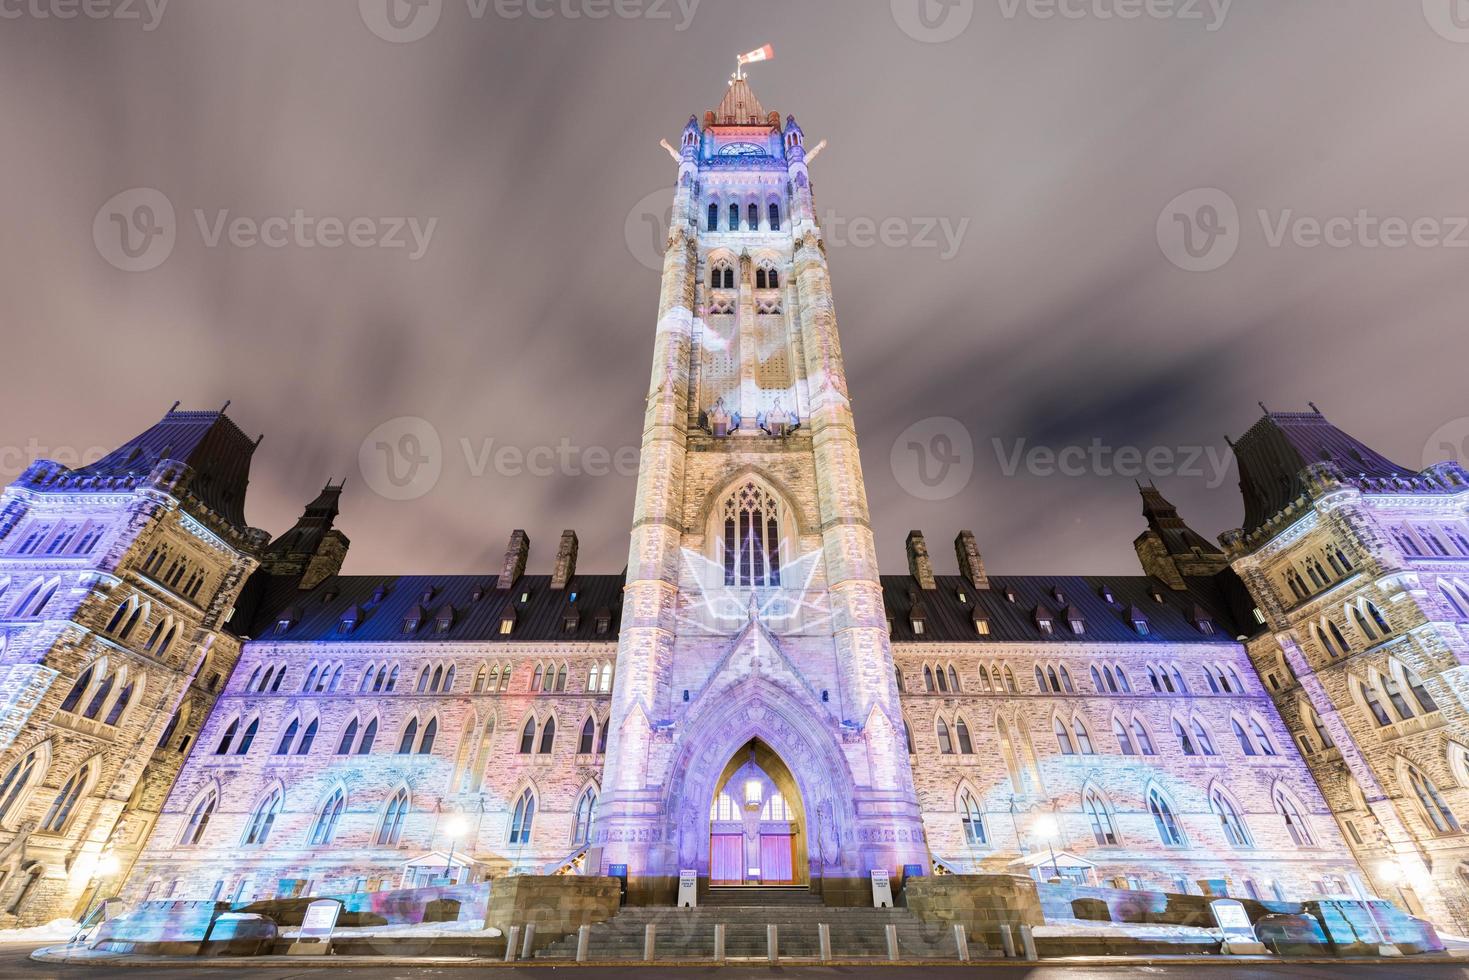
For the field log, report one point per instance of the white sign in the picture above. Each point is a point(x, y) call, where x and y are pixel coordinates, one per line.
point(320, 919)
point(688, 889)
point(1232, 919)
point(882, 889)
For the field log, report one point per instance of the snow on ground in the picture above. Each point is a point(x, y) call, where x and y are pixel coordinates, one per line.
point(1131, 930)
point(417, 930)
point(57, 930)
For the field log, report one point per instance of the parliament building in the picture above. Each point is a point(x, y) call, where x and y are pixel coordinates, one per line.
point(194, 708)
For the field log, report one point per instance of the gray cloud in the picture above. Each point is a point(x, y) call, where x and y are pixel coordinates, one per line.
point(528, 320)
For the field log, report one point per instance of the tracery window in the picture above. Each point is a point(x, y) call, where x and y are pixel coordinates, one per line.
point(751, 537)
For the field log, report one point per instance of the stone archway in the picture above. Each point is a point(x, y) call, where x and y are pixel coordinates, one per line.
point(757, 822)
point(791, 739)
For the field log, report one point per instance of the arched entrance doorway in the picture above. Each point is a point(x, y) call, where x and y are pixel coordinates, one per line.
point(757, 822)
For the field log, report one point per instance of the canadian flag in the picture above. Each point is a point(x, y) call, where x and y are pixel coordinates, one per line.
point(762, 54)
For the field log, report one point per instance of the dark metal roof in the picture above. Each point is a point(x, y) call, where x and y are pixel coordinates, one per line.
point(948, 620)
point(208, 442)
point(384, 602)
point(1277, 448)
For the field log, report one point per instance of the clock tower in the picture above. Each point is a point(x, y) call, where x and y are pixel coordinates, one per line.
point(756, 736)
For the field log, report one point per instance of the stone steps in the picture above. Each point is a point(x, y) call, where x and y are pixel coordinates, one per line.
point(689, 933)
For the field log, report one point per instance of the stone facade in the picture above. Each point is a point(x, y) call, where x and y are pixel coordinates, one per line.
point(1361, 573)
point(115, 582)
point(751, 699)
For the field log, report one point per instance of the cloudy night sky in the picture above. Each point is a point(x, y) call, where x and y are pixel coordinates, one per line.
point(1026, 287)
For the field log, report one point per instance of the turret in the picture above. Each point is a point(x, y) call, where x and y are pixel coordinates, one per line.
point(312, 550)
point(1169, 549)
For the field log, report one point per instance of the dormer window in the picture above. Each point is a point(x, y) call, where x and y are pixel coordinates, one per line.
point(604, 621)
point(349, 620)
point(524, 598)
point(1075, 621)
point(507, 622)
point(1058, 595)
point(379, 594)
point(571, 620)
point(428, 595)
point(571, 598)
point(413, 620)
point(963, 596)
point(287, 619)
point(1157, 595)
point(1139, 621)
point(329, 596)
point(477, 594)
point(916, 619)
point(1202, 620)
point(981, 624)
point(1043, 620)
point(444, 620)
point(1009, 594)
point(1107, 595)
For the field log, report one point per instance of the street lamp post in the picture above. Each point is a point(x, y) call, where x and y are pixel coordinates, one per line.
point(1047, 829)
point(107, 865)
point(454, 829)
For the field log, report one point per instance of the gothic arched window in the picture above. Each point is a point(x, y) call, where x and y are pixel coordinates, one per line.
point(263, 819)
point(774, 217)
point(588, 738)
point(585, 807)
point(199, 819)
point(1229, 819)
point(65, 803)
point(391, 829)
point(714, 217)
point(523, 819)
point(17, 780)
point(753, 212)
point(751, 537)
point(972, 818)
point(734, 217)
point(325, 827)
point(1168, 830)
point(1103, 830)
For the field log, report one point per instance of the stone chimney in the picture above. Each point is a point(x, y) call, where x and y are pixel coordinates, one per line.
point(565, 561)
point(517, 553)
point(920, 566)
point(971, 565)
